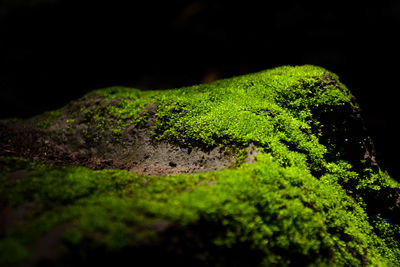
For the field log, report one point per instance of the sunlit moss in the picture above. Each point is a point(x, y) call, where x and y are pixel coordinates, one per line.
point(283, 213)
point(301, 203)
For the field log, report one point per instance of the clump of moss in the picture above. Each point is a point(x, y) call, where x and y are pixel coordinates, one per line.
point(106, 113)
point(51, 116)
point(283, 215)
point(308, 199)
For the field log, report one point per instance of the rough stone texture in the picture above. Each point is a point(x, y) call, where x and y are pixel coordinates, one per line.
point(135, 150)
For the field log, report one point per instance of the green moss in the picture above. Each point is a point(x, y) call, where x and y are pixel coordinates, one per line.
point(303, 202)
point(117, 109)
point(51, 116)
point(283, 213)
point(271, 109)
point(274, 109)
point(241, 156)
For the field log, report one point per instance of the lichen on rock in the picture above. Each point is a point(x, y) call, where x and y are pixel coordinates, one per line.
point(270, 168)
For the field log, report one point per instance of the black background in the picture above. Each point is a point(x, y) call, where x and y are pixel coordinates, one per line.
point(53, 51)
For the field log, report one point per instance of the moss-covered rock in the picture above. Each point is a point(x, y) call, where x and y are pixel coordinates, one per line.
point(270, 168)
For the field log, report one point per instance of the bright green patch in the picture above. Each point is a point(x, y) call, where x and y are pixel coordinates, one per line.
point(301, 203)
point(283, 213)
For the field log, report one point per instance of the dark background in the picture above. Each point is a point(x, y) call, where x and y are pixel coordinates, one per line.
point(53, 51)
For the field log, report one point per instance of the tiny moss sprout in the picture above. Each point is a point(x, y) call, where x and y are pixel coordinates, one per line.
point(51, 116)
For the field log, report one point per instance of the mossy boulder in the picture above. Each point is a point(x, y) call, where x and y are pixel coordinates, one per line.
point(271, 168)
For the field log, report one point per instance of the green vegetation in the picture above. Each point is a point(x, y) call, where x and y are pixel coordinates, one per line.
point(282, 214)
point(306, 200)
point(50, 118)
point(117, 109)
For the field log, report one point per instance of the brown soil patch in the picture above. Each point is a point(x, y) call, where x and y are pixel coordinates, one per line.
point(135, 150)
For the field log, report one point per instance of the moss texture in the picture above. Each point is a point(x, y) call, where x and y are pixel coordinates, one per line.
point(306, 201)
